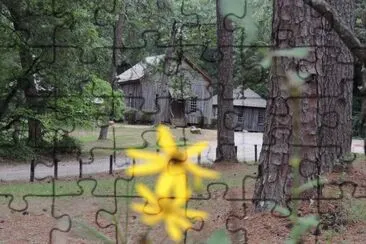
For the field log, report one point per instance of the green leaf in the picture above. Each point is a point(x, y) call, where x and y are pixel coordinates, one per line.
point(310, 185)
point(276, 208)
point(309, 221)
point(297, 79)
point(266, 62)
point(302, 225)
point(236, 7)
point(282, 210)
point(85, 231)
point(241, 14)
point(219, 237)
point(300, 52)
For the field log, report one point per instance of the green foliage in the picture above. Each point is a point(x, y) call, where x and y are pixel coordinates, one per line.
point(291, 53)
point(354, 209)
point(130, 115)
point(68, 144)
point(96, 101)
point(219, 237)
point(20, 151)
point(240, 13)
point(88, 232)
point(146, 118)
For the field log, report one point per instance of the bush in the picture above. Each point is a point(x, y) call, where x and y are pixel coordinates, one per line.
point(68, 144)
point(20, 151)
point(213, 124)
point(130, 116)
point(356, 125)
point(146, 118)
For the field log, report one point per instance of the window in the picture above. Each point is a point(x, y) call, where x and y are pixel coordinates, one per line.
point(214, 111)
point(241, 119)
point(193, 104)
point(130, 100)
point(261, 117)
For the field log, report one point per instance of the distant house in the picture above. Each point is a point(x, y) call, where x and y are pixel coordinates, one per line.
point(181, 96)
point(249, 107)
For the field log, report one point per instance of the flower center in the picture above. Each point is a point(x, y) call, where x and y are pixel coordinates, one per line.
point(178, 158)
point(166, 206)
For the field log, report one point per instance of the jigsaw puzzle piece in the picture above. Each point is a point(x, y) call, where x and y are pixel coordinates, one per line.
point(220, 209)
point(29, 203)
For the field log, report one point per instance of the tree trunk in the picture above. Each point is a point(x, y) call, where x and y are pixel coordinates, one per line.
point(225, 151)
point(26, 82)
point(103, 133)
point(325, 101)
point(116, 60)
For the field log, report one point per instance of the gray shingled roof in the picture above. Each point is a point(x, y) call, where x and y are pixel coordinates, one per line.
point(248, 99)
point(138, 70)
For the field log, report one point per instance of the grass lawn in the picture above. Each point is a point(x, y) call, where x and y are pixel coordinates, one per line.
point(127, 136)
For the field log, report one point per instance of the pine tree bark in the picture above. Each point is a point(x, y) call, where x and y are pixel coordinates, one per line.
point(325, 117)
point(225, 151)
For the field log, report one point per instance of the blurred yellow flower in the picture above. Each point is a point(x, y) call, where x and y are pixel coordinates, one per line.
point(169, 210)
point(172, 164)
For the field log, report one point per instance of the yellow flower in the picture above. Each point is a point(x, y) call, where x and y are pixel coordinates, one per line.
point(172, 164)
point(169, 210)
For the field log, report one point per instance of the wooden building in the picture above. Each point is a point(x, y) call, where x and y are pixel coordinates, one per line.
point(249, 108)
point(180, 95)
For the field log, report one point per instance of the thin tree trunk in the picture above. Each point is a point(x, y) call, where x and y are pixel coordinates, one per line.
point(325, 116)
point(225, 151)
point(116, 59)
point(103, 133)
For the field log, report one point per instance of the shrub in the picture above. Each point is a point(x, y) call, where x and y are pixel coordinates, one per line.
point(130, 115)
point(145, 118)
point(68, 144)
point(213, 124)
point(20, 151)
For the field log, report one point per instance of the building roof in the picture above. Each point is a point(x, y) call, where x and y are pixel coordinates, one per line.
point(138, 70)
point(247, 99)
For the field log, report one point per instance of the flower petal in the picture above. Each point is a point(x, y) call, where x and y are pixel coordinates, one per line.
point(181, 191)
point(146, 169)
point(195, 149)
point(165, 140)
point(141, 154)
point(164, 184)
point(146, 193)
point(138, 207)
point(192, 213)
point(152, 219)
point(182, 222)
point(199, 171)
point(197, 183)
point(173, 231)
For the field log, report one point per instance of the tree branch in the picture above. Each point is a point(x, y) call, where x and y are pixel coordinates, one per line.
point(347, 36)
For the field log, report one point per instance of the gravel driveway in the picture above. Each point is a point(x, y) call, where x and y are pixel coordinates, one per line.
point(245, 144)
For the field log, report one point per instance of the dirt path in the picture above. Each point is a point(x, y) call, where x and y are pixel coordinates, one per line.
point(245, 145)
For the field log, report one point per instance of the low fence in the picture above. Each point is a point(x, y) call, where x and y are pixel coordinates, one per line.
point(112, 161)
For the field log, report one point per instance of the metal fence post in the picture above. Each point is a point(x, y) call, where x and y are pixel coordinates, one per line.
point(55, 165)
point(32, 171)
point(255, 153)
point(80, 168)
point(110, 164)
